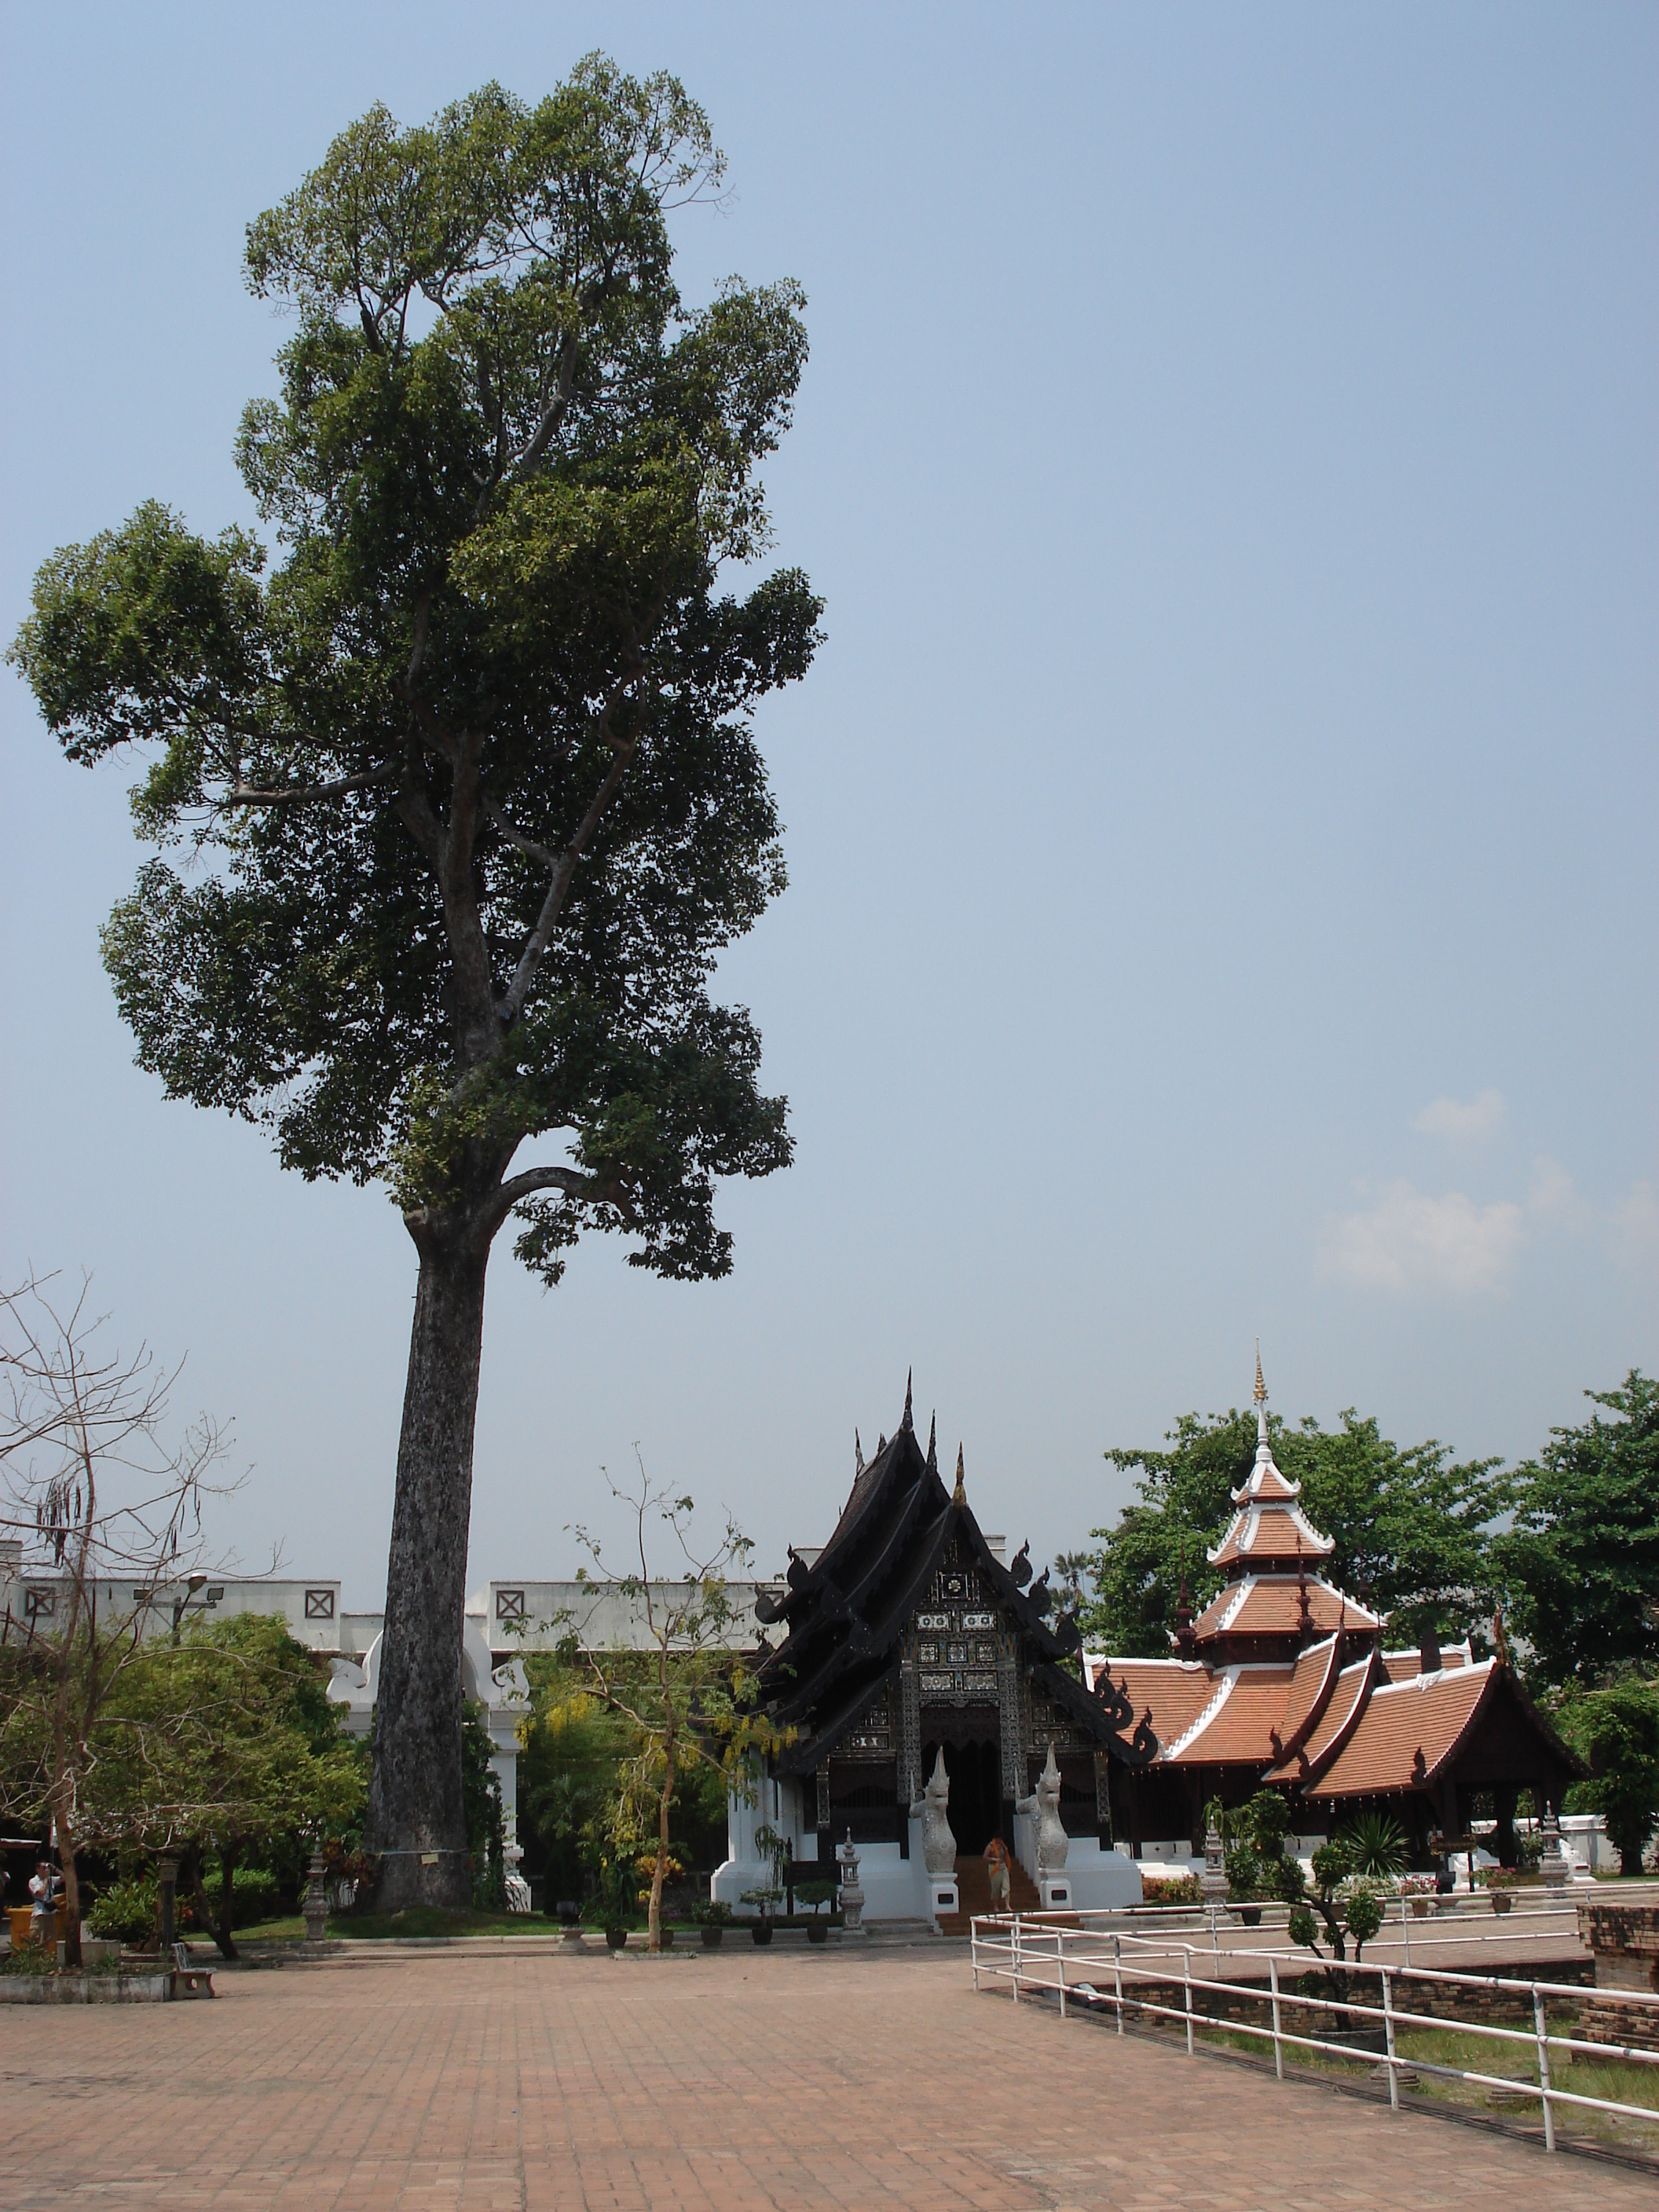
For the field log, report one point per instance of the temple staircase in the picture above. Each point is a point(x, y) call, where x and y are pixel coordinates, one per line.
point(973, 1889)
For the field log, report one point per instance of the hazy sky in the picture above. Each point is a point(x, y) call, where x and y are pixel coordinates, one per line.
point(1221, 826)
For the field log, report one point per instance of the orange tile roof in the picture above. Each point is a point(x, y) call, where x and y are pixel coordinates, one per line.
point(1269, 1533)
point(1407, 1665)
point(1430, 1714)
point(1267, 1606)
point(1265, 1480)
point(1175, 1690)
point(1227, 1715)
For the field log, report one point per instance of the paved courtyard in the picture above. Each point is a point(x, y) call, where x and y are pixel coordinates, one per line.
point(738, 2080)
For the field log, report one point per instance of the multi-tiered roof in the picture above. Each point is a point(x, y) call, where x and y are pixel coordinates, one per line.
point(846, 1610)
point(1284, 1679)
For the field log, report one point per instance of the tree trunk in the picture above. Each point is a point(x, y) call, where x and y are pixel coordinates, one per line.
point(69, 1911)
point(654, 1917)
point(417, 1820)
point(219, 1927)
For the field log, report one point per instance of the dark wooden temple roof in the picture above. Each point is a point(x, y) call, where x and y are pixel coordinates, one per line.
point(845, 1614)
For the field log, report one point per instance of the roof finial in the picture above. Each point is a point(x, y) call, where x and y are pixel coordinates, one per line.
point(909, 1423)
point(959, 1495)
point(858, 1455)
point(1260, 1402)
point(932, 1444)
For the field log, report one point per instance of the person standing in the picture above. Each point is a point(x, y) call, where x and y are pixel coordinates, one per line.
point(44, 1885)
point(996, 1861)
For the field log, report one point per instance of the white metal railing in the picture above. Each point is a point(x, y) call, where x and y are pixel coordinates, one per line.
point(1037, 1955)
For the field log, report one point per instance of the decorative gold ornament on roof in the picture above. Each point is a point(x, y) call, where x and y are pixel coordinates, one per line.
point(959, 1495)
point(1261, 1387)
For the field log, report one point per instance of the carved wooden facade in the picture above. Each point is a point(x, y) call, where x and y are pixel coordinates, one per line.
point(907, 1632)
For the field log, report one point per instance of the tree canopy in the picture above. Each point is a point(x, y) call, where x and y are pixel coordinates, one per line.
point(1409, 1523)
point(1582, 1560)
point(507, 463)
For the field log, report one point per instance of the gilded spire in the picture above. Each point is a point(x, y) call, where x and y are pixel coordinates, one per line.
point(1261, 1406)
point(959, 1495)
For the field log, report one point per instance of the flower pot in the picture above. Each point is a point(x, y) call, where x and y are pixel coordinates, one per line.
point(1421, 1907)
point(711, 1938)
point(761, 1930)
point(616, 1938)
point(1501, 1901)
point(1250, 1915)
point(818, 1931)
point(667, 1937)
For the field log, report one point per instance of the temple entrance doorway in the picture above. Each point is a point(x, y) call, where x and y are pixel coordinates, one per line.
point(974, 1763)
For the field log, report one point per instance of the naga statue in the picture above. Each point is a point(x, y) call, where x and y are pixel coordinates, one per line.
point(938, 1845)
point(1044, 1807)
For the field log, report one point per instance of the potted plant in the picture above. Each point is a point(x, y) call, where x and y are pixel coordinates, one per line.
point(1499, 1881)
point(714, 1919)
point(618, 1899)
point(1419, 1889)
point(814, 1895)
point(765, 1899)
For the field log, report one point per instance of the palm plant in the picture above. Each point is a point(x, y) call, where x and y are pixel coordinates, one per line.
point(1372, 1845)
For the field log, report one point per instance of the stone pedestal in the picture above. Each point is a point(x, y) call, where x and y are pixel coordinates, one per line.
point(851, 1896)
point(315, 1906)
point(1552, 1864)
point(943, 1896)
point(1055, 1892)
point(1213, 1883)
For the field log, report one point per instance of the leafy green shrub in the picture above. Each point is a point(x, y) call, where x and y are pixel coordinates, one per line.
point(127, 1911)
point(255, 1895)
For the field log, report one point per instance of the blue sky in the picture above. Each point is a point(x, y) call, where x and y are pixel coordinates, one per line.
point(1220, 826)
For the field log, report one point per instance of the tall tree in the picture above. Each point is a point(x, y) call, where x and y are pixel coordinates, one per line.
point(1410, 1525)
point(1583, 1557)
point(472, 771)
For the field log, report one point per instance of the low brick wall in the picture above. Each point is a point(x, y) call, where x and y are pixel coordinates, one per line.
point(85, 1988)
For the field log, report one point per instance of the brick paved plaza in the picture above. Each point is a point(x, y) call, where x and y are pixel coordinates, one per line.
point(739, 2079)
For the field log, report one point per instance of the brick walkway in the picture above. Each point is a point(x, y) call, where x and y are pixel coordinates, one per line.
point(736, 2079)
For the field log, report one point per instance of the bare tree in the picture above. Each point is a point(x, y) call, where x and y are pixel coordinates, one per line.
point(107, 1514)
point(688, 1696)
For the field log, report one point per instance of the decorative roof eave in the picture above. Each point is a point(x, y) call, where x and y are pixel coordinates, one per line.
point(1308, 1770)
point(1104, 1719)
point(864, 1639)
point(1322, 1697)
point(807, 1753)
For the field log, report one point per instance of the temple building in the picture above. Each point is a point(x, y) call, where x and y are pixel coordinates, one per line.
point(906, 1639)
point(1284, 1679)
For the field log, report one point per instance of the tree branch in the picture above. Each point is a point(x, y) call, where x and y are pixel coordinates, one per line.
point(493, 814)
point(564, 867)
point(242, 794)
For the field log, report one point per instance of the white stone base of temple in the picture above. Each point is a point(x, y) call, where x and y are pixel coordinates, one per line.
point(943, 1896)
point(1096, 1881)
